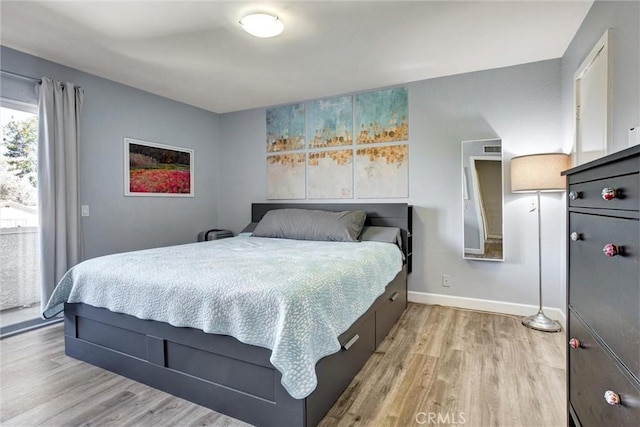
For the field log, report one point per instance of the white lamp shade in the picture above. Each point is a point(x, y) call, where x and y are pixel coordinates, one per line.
point(539, 172)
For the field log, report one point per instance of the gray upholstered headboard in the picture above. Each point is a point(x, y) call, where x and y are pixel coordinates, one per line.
point(378, 214)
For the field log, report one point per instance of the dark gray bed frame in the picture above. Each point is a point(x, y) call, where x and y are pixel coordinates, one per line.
point(220, 372)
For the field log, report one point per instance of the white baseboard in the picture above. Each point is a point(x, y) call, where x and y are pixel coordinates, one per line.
point(486, 305)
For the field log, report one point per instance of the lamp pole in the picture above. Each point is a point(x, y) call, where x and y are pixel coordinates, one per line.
point(540, 321)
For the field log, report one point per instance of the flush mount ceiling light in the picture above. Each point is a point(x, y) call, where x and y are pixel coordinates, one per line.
point(262, 25)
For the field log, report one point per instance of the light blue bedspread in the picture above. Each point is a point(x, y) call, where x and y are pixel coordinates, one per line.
point(291, 296)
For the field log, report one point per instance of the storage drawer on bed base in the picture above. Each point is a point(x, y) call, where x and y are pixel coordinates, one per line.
point(183, 370)
point(213, 366)
point(336, 371)
point(284, 411)
point(391, 305)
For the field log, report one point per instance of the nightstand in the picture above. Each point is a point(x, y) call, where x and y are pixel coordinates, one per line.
point(214, 234)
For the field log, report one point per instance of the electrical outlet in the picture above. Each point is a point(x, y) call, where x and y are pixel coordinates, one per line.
point(446, 280)
point(85, 210)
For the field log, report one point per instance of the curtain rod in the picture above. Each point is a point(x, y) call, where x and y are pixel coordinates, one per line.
point(21, 76)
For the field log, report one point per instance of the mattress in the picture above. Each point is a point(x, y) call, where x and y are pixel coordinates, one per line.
point(292, 297)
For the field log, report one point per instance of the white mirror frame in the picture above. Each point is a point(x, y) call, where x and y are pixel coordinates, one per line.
point(474, 223)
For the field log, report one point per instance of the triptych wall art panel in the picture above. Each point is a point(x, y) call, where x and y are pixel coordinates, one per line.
point(382, 116)
point(331, 161)
point(285, 176)
point(331, 174)
point(383, 171)
point(285, 128)
point(330, 122)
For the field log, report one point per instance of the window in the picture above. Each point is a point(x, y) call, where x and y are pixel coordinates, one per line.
point(19, 257)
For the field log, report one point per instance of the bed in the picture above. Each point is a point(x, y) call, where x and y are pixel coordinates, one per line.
point(224, 374)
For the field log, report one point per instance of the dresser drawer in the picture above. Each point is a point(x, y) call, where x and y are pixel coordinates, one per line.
point(591, 373)
point(589, 194)
point(604, 290)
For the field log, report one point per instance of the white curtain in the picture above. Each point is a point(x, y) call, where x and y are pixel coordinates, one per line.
point(59, 106)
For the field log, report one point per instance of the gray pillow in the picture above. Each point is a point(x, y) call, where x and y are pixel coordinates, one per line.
point(382, 234)
point(302, 224)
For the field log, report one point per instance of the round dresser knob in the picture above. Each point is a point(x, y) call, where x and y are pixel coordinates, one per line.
point(574, 195)
point(575, 236)
point(608, 193)
point(610, 250)
point(611, 397)
point(574, 343)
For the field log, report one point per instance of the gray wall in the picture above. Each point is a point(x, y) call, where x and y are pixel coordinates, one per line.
point(622, 19)
point(111, 112)
point(520, 105)
point(529, 106)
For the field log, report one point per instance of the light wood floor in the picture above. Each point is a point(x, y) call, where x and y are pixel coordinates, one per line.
point(439, 366)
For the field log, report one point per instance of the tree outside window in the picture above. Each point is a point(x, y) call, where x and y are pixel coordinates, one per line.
point(18, 157)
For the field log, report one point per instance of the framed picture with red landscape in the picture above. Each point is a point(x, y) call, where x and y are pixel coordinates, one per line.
point(152, 169)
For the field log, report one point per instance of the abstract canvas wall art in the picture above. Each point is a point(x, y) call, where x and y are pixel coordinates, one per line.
point(330, 122)
point(285, 128)
point(339, 148)
point(383, 171)
point(286, 176)
point(331, 174)
point(382, 116)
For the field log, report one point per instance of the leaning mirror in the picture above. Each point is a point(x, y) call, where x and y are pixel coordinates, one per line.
point(482, 199)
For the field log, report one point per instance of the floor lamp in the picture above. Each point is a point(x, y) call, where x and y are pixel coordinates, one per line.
point(538, 173)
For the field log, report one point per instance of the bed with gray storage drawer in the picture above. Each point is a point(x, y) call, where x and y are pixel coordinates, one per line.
point(219, 371)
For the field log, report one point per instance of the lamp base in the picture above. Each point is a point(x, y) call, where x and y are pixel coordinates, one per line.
point(540, 322)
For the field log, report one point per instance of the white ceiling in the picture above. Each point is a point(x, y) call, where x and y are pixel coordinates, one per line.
point(197, 53)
